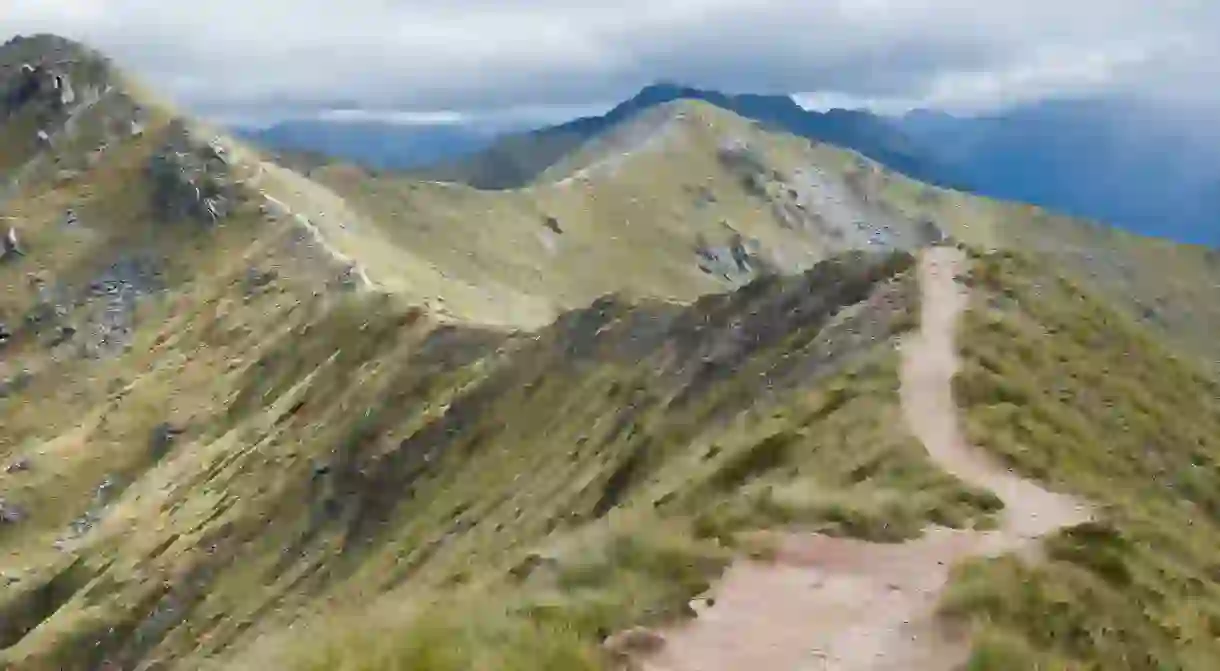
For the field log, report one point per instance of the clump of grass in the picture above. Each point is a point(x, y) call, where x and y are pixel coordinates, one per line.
point(997, 650)
point(838, 462)
point(642, 572)
point(463, 638)
point(612, 576)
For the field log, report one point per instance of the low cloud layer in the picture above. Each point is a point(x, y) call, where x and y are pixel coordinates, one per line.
point(281, 57)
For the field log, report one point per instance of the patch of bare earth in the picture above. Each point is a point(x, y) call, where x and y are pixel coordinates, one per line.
point(827, 603)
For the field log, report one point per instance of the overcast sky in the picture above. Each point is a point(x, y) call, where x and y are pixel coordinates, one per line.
point(552, 57)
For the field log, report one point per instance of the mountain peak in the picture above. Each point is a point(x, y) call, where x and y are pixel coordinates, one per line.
point(662, 87)
point(873, 136)
point(42, 41)
point(89, 71)
point(65, 102)
point(47, 50)
point(666, 91)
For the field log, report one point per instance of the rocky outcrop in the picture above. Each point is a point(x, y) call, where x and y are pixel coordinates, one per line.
point(192, 179)
point(164, 435)
point(11, 513)
point(103, 495)
point(749, 167)
point(50, 90)
point(931, 233)
point(633, 642)
point(112, 299)
point(10, 247)
point(737, 260)
point(15, 384)
point(38, 85)
point(99, 319)
point(23, 90)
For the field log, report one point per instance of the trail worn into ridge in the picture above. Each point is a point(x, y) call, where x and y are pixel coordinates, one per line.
point(828, 603)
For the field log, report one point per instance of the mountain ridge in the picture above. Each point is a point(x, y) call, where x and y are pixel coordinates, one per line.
point(255, 417)
point(1082, 157)
point(854, 130)
point(380, 145)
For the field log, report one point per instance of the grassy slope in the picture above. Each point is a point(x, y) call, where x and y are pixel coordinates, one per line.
point(630, 224)
point(1068, 389)
point(360, 450)
point(301, 404)
point(679, 458)
point(338, 446)
point(644, 211)
point(1172, 288)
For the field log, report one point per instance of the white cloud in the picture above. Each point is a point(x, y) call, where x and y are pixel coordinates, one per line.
point(250, 56)
point(489, 118)
point(394, 117)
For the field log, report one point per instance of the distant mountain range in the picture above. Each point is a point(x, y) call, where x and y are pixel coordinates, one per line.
point(1113, 160)
point(375, 144)
point(1106, 159)
point(515, 160)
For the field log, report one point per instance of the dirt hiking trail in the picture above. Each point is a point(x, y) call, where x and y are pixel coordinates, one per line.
point(840, 604)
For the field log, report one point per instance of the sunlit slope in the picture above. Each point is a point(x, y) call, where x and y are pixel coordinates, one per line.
point(1067, 389)
point(249, 464)
point(663, 203)
point(685, 200)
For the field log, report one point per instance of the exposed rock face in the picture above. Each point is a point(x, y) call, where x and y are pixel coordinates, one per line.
point(192, 179)
point(737, 260)
point(20, 465)
point(26, 87)
point(738, 250)
point(634, 641)
point(113, 298)
point(103, 496)
point(15, 384)
point(163, 437)
point(11, 513)
point(63, 86)
point(47, 87)
point(931, 232)
point(738, 156)
point(11, 246)
point(51, 306)
point(98, 319)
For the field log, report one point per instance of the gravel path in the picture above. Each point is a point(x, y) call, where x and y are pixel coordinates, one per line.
point(827, 603)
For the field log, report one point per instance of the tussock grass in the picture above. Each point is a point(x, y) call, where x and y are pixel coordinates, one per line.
point(451, 639)
point(343, 446)
point(653, 553)
point(847, 468)
point(1065, 388)
point(517, 492)
point(551, 616)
